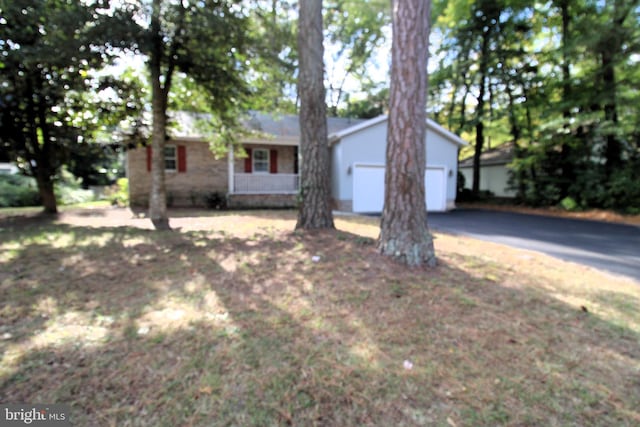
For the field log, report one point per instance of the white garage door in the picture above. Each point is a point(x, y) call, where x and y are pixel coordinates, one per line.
point(368, 188)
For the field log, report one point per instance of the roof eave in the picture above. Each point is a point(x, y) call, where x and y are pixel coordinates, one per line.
point(450, 136)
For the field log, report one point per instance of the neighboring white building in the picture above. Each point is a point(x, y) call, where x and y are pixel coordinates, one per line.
point(494, 172)
point(358, 155)
point(8, 168)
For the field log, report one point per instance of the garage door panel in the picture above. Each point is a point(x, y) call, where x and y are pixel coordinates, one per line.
point(368, 188)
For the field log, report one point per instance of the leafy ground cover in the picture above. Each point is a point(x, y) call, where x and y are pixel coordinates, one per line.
point(234, 319)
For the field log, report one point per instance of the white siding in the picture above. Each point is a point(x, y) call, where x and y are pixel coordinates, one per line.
point(369, 146)
point(492, 178)
point(366, 146)
point(442, 152)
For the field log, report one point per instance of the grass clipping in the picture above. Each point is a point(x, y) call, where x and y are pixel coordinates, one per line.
point(236, 320)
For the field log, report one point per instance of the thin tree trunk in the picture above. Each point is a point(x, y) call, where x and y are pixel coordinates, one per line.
point(157, 196)
point(404, 234)
point(475, 188)
point(315, 205)
point(613, 149)
point(480, 113)
point(38, 155)
point(566, 152)
point(47, 194)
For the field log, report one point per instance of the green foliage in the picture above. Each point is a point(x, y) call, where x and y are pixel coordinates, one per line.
point(49, 50)
point(95, 164)
point(375, 104)
point(69, 191)
point(118, 194)
point(273, 57)
point(559, 79)
point(357, 29)
point(18, 191)
point(623, 192)
point(71, 195)
point(205, 41)
point(568, 204)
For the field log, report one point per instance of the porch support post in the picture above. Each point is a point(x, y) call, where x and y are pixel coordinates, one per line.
point(231, 166)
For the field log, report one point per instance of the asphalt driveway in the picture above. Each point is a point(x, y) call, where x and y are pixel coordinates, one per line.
point(610, 247)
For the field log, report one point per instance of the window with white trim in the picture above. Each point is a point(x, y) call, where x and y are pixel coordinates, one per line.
point(260, 160)
point(170, 158)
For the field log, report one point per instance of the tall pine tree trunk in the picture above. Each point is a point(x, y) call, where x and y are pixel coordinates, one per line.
point(404, 234)
point(613, 147)
point(157, 196)
point(315, 205)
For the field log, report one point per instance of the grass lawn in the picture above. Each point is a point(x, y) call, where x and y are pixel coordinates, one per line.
point(233, 321)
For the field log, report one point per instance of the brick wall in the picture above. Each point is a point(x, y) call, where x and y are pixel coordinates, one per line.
point(204, 175)
point(242, 201)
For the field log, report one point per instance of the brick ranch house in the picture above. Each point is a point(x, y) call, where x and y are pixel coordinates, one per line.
point(266, 177)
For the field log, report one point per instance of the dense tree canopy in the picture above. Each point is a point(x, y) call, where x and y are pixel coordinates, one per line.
point(558, 79)
point(47, 52)
point(205, 41)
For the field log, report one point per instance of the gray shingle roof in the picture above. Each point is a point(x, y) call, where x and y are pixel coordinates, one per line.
point(289, 125)
point(501, 155)
point(278, 125)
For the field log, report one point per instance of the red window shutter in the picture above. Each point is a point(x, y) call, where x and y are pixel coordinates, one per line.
point(248, 161)
point(273, 161)
point(182, 158)
point(148, 158)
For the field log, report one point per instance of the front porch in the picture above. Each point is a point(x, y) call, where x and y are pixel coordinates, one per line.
point(267, 169)
point(278, 183)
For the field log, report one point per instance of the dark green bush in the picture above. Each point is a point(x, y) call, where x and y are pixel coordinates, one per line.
point(68, 190)
point(624, 189)
point(216, 200)
point(17, 191)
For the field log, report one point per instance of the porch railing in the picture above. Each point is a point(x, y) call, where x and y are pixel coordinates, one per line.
point(278, 183)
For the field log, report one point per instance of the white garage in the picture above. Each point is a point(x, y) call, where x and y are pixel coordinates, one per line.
point(358, 166)
point(368, 188)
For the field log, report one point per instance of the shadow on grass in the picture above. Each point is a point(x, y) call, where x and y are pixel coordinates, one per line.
point(200, 328)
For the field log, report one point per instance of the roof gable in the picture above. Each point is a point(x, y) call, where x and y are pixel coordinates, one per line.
point(431, 125)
